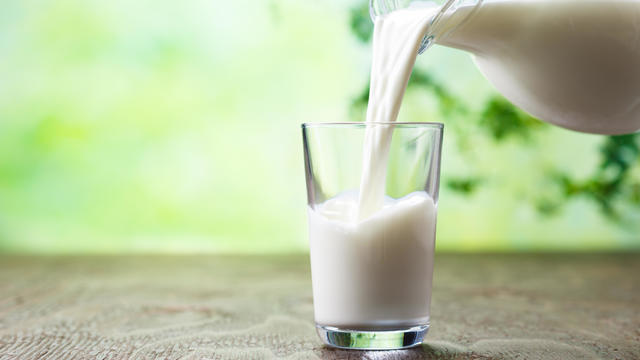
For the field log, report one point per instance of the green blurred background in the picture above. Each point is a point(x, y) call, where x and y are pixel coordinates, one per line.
point(158, 127)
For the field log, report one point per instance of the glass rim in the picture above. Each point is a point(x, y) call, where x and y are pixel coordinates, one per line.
point(421, 124)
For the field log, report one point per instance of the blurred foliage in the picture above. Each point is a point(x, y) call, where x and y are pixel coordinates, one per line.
point(361, 25)
point(177, 130)
point(501, 119)
point(464, 185)
point(448, 104)
point(611, 184)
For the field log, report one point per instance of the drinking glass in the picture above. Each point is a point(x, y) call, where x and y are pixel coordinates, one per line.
point(372, 276)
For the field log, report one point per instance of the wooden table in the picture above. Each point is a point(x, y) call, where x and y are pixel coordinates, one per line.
point(221, 307)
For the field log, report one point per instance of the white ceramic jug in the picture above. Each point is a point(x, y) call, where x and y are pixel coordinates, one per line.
point(572, 63)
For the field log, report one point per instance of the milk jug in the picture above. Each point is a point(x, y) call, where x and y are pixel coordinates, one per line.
point(572, 63)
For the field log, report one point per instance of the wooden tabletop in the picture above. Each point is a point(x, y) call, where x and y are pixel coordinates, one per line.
point(223, 307)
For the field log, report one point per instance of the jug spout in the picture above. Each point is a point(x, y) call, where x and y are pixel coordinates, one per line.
point(441, 22)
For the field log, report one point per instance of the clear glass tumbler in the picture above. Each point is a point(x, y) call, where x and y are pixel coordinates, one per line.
point(372, 273)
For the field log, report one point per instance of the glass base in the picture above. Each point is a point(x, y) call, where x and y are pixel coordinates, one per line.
point(372, 340)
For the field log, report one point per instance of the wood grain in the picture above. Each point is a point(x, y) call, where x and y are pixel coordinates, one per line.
point(201, 307)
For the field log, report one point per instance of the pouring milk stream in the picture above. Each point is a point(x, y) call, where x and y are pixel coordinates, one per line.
point(572, 63)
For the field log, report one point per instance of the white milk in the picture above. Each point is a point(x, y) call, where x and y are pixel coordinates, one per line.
point(371, 257)
point(373, 274)
point(575, 64)
point(396, 40)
